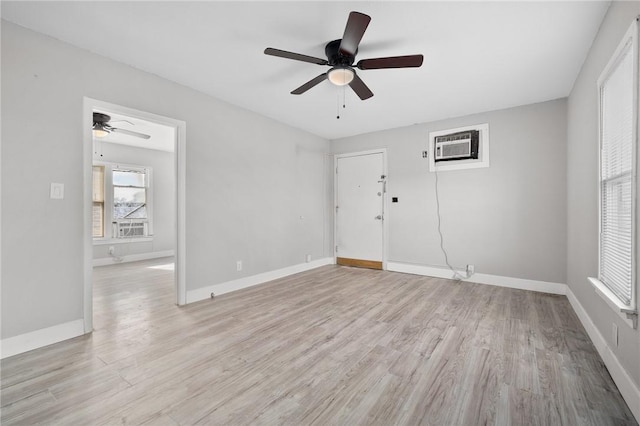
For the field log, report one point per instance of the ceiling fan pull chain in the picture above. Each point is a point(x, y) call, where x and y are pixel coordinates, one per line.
point(338, 106)
point(344, 96)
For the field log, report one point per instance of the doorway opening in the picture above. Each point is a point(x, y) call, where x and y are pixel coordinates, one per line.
point(134, 197)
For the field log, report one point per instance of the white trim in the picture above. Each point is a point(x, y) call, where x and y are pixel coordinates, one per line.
point(110, 241)
point(87, 157)
point(626, 313)
point(104, 261)
point(385, 200)
point(629, 390)
point(180, 170)
point(39, 338)
point(229, 286)
point(483, 150)
point(497, 280)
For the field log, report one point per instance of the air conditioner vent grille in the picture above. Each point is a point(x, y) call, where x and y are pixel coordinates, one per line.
point(457, 146)
point(130, 229)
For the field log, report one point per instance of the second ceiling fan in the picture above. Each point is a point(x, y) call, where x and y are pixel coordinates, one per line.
point(341, 55)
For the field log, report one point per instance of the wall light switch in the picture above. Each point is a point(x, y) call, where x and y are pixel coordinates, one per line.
point(57, 191)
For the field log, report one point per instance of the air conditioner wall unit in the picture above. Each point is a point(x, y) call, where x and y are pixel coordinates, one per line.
point(130, 229)
point(457, 146)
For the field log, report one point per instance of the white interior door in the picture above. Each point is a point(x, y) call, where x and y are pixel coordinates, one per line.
point(360, 186)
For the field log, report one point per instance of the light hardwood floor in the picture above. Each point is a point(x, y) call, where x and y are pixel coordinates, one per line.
point(335, 345)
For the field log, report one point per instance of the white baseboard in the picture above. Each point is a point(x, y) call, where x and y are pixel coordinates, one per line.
point(39, 338)
point(229, 286)
point(104, 261)
point(629, 390)
point(497, 280)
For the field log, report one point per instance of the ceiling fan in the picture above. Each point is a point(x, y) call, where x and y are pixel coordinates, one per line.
point(341, 55)
point(102, 128)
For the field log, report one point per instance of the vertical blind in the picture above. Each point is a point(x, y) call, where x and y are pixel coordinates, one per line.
point(616, 174)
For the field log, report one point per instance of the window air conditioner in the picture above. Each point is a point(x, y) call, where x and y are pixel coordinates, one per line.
point(130, 229)
point(457, 146)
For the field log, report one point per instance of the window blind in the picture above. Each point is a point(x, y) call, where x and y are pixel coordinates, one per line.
point(98, 201)
point(616, 174)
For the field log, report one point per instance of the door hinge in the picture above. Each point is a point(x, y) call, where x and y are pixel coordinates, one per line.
point(336, 249)
point(336, 169)
point(336, 209)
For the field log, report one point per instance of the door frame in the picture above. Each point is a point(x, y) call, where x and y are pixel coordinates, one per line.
point(89, 105)
point(385, 201)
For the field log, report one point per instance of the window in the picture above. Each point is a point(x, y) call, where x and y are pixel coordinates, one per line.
point(129, 194)
point(618, 111)
point(122, 200)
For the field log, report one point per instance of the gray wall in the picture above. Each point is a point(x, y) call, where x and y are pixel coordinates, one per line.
point(256, 189)
point(582, 185)
point(508, 219)
point(163, 197)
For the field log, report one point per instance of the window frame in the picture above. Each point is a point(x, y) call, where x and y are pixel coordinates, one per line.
point(627, 312)
point(109, 168)
point(122, 169)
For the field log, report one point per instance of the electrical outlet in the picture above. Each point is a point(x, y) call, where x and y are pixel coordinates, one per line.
point(308, 258)
point(112, 250)
point(239, 265)
point(471, 269)
point(614, 335)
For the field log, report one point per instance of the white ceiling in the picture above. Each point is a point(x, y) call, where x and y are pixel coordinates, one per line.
point(479, 56)
point(162, 137)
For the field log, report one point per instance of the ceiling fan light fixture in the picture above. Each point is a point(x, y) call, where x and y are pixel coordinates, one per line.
point(99, 131)
point(341, 76)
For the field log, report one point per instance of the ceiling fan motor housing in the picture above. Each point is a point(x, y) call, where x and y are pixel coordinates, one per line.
point(337, 59)
point(99, 117)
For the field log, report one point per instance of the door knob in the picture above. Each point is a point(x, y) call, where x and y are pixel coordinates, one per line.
point(379, 217)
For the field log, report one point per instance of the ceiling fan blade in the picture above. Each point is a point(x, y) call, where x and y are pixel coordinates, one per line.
point(360, 88)
point(353, 32)
point(410, 61)
point(122, 121)
point(309, 84)
point(129, 132)
point(295, 56)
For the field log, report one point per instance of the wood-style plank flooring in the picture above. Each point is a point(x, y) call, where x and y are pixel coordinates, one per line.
point(335, 345)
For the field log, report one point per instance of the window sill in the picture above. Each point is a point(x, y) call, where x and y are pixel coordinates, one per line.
point(628, 315)
point(109, 241)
